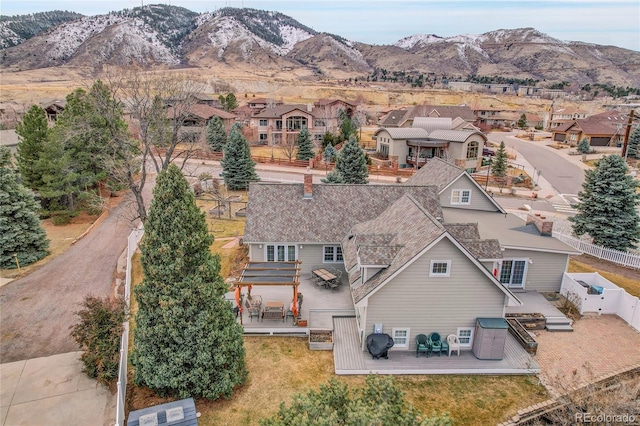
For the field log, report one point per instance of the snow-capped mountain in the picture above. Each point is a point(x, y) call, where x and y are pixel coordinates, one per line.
point(254, 39)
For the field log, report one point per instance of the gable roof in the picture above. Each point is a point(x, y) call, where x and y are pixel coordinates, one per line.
point(200, 110)
point(405, 244)
point(278, 212)
point(280, 110)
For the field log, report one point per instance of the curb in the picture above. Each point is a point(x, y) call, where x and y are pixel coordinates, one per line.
point(93, 225)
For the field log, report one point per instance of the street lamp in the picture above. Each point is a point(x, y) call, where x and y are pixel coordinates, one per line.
point(486, 184)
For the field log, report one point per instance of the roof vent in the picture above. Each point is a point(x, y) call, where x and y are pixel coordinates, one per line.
point(175, 414)
point(149, 419)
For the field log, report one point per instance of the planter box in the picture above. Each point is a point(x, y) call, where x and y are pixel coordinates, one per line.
point(302, 323)
point(522, 336)
point(529, 321)
point(321, 340)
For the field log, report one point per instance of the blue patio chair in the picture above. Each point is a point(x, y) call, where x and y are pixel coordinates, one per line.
point(422, 344)
point(435, 343)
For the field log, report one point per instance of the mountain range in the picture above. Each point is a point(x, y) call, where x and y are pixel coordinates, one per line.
point(171, 36)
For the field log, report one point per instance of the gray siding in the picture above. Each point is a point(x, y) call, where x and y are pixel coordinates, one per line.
point(310, 254)
point(426, 304)
point(479, 199)
point(544, 273)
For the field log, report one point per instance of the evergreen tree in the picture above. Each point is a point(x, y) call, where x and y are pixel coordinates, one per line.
point(499, 166)
point(187, 342)
point(583, 146)
point(305, 145)
point(238, 169)
point(378, 402)
point(348, 129)
point(228, 102)
point(21, 234)
point(633, 147)
point(33, 131)
point(333, 177)
point(216, 135)
point(522, 122)
point(352, 163)
point(329, 154)
point(608, 205)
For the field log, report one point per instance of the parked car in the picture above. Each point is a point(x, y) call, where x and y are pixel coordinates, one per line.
point(486, 152)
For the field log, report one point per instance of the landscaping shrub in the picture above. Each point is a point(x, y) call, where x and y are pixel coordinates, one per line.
point(98, 334)
point(61, 217)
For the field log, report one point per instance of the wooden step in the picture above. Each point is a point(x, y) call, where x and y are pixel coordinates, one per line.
point(559, 327)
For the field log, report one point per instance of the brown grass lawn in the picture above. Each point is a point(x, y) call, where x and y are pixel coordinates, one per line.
point(60, 239)
point(632, 286)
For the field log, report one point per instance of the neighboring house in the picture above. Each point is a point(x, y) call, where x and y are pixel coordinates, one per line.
point(561, 116)
point(199, 115)
point(205, 99)
point(414, 146)
point(436, 252)
point(281, 123)
point(405, 117)
point(497, 118)
point(534, 121)
point(605, 129)
point(326, 115)
point(54, 108)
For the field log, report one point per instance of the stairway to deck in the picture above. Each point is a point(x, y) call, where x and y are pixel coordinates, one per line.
point(558, 323)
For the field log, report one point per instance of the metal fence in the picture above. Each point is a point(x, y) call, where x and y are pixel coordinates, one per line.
point(132, 245)
point(630, 260)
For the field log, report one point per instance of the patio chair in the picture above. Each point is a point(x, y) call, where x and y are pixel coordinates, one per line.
point(435, 343)
point(454, 344)
point(253, 310)
point(422, 344)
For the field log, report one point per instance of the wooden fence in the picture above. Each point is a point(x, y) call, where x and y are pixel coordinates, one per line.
point(629, 260)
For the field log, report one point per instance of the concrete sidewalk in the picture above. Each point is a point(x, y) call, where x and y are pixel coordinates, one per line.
point(53, 391)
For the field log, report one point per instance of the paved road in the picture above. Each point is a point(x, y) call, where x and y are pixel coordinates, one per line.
point(38, 309)
point(564, 176)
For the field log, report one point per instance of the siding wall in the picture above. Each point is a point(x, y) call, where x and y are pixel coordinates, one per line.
point(426, 304)
point(479, 200)
point(546, 270)
point(310, 254)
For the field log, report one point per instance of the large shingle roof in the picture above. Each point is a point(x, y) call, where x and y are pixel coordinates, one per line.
point(280, 110)
point(278, 212)
point(437, 172)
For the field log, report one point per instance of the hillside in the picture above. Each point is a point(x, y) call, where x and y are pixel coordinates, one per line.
point(270, 42)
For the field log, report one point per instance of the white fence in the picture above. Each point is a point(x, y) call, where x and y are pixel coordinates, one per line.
point(132, 245)
point(623, 258)
point(611, 300)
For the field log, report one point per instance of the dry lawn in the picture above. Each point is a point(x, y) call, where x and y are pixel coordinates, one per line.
point(631, 285)
point(60, 239)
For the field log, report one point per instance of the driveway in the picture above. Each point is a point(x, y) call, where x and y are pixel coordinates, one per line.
point(38, 309)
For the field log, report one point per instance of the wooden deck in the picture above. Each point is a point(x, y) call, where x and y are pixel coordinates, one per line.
point(350, 359)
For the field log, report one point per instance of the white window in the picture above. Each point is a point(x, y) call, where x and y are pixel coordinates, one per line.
point(263, 123)
point(440, 268)
point(400, 337)
point(332, 254)
point(461, 196)
point(465, 336)
point(513, 272)
point(280, 253)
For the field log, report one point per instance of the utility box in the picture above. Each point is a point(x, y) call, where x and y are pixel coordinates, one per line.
point(490, 337)
point(377, 328)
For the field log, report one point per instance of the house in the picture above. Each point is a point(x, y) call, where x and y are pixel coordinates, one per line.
point(560, 116)
point(605, 129)
point(437, 251)
point(281, 123)
point(199, 115)
point(54, 108)
point(405, 117)
point(414, 146)
point(326, 115)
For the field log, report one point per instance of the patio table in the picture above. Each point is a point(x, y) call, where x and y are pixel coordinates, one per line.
point(273, 310)
point(325, 276)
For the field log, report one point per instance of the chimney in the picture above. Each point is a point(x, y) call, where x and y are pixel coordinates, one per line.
point(545, 227)
point(308, 185)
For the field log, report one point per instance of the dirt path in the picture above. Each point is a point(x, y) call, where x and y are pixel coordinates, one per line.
point(38, 309)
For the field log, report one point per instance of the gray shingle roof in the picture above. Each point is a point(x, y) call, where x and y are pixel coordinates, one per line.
point(280, 110)
point(436, 172)
point(407, 242)
point(278, 212)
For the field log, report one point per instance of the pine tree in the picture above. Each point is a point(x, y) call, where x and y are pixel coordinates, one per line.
point(352, 163)
point(329, 155)
point(333, 177)
point(33, 131)
point(608, 205)
point(216, 135)
point(633, 147)
point(305, 145)
point(584, 147)
point(499, 166)
point(187, 342)
point(348, 129)
point(238, 169)
point(21, 234)
point(522, 122)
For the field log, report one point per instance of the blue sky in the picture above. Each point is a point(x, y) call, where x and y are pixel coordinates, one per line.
point(607, 22)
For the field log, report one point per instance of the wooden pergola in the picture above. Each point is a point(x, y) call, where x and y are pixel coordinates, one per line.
point(269, 273)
